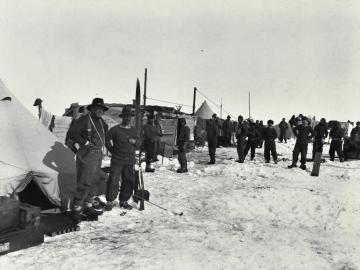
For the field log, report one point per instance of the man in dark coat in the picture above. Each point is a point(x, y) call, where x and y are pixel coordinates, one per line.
point(212, 131)
point(121, 141)
point(241, 134)
point(253, 138)
point(336, 134)
point(149, 142)
point(303, 132)
point(183, 137)
point(283, 129)
point(269, 135)
point(89, 133)
point(158, 135)
point(228, 128)
point(321, 133)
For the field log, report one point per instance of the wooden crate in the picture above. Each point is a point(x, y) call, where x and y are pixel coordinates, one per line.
point(20, 239)
point(9, 214)
point(29, 216)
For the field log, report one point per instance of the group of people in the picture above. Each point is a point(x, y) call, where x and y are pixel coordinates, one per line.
point(92, 136)
point(250, 135)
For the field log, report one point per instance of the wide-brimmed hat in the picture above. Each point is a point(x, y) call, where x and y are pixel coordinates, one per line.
point(126, 111)
point(37, 102)
point(98, 102)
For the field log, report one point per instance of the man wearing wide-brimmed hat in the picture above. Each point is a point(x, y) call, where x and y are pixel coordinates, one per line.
point(89, 133)
point(122, 142)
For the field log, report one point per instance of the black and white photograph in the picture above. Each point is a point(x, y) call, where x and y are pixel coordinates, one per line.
point(179, 134)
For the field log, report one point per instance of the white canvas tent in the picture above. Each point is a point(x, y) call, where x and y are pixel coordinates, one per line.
point(204, 112)
point(30, 152)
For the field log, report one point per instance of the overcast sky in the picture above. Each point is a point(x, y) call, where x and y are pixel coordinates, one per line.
point(293, 56)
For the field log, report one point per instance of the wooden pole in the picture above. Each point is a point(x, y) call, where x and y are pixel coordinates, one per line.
point(249, 106)
point(194, 100)
point(145, 83)
point(221, 108)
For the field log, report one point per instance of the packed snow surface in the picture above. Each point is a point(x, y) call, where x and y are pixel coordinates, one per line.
point(235, 216)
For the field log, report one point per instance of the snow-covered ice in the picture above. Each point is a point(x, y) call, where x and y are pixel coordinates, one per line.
point(236, 216)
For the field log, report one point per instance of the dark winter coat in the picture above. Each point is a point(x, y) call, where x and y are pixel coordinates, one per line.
point(303, 134)
point(320, 131)
point(83, 130)
point(212, 129)
point(283, 125)
point(149, 133)
point(253, 133)
point(228, 126)
point(269, 134)
point(241, 131)
point(122, 151)
point(355, 131)
point(337, 133)
point(183, 137)
point(158, 131)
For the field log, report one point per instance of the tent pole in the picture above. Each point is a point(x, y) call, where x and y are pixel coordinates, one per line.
point(194, 100)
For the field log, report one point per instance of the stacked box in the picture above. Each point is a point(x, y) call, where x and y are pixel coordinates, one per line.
point(9, 214)
point(29, 216)
point(20, 239)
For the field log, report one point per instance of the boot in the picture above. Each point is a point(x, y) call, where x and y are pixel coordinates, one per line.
point(125, 205)
point(148, 169)
point(292, 166)
point(303, 166)
point(76, 214)
point(109, 206)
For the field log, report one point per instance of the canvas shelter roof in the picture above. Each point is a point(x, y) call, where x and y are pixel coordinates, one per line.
point(30, 152)
point(204, 111)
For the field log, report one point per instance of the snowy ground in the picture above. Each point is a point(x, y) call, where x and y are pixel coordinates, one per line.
point(236, 216)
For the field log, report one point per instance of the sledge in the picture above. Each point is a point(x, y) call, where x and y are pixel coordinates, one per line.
point(316, 165)
point(9, 214)
point(56, 224)
point(20, 239)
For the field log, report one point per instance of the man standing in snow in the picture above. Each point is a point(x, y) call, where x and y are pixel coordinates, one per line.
point(269, 135)
point(227, 126)
point(321, 133)
point(241, 134)
point(303, 133)
point(336, 134)
point(121, 141)
point(183, 137)
point(253, 137)
point(283, 129)
point(149, 142)
point(212, 131)
point(89, 132)
point(158, 135)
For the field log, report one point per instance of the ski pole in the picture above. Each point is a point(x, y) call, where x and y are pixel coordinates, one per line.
point(163, 208)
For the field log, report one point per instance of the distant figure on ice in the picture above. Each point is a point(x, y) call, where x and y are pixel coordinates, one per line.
point(253, 138)
point(321, 133)
point(212, 131)
point(303, 133)
point(261, 128)
point(89, 132)
point(283, 130)
point(183, 137)
point(269, 135)
point(158, 135)
point(228, 128)
point(241, 134)
point(121, 141)
point(149, 142)
point(336, 134)
point(353, 144)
